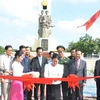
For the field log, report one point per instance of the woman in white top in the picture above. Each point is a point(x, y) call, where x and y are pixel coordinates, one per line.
point(17, 91)
point(53, 70)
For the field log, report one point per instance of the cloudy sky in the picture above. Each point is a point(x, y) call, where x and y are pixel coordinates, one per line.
point(18, 21)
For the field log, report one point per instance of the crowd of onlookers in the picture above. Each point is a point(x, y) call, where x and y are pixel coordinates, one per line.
point(57, 66)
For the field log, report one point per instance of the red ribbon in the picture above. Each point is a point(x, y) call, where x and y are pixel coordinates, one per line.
point(29, 81)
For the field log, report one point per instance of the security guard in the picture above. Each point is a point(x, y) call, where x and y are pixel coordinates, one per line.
point(64, 61)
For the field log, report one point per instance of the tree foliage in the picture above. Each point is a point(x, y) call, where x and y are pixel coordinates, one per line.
point(86, 44)
point(1, 50)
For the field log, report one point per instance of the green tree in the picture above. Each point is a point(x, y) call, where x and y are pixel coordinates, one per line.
point(97, 42)
point(1, 50)
point(86, 44)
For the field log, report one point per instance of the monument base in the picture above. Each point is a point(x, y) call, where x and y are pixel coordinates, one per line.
point(46, 43)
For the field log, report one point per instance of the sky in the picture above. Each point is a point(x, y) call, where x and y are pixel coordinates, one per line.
point(19, 21)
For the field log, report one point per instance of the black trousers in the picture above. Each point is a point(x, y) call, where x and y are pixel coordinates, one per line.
point(65, 90)
point(76, 94)
point(42, 87)
point(53, 92)
point(29, 95)
point(98, 89)
point(25, 94)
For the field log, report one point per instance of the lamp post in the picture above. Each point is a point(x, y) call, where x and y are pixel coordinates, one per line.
point(44, 4)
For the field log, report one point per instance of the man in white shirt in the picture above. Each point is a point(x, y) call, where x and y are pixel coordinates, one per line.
point(5, 65)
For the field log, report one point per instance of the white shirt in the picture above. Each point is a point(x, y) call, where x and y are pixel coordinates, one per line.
point(17, 69)
point(54, 72)
point(40, 60)
point(49, 61)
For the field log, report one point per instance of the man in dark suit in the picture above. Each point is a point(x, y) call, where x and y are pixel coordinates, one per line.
point(77, 66)
point(38, 64)
point(97, 73)
point(72, 56)
point(73, 53)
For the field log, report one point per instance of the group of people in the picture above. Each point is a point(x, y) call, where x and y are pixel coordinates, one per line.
point(57, 66)
point(16, 65)
point(73, 64)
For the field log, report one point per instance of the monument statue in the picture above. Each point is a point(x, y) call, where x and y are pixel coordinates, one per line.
point(44, 28)
point(44, 25)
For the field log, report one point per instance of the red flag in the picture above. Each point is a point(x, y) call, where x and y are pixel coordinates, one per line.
point(91, 20)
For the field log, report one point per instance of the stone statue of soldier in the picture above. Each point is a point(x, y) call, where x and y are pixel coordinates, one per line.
point(44, 25)
point(41, 23)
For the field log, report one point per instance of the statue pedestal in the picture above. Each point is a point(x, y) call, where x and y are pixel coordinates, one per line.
point(46, 43)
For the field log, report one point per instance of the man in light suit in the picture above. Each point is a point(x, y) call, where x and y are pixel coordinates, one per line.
point(77, 66)
point(5, 67)
point(38, 64)
point(97, 73)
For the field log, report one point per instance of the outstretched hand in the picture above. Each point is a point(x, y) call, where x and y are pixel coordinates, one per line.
point(9, 71)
